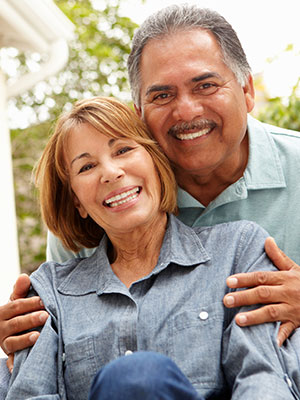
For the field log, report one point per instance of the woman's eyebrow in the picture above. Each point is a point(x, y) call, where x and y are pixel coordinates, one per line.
point(83, 155)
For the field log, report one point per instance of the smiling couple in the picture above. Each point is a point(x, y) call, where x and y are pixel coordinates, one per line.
point(143, 316)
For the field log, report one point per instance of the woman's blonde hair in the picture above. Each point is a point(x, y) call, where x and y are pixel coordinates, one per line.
point(112, 118)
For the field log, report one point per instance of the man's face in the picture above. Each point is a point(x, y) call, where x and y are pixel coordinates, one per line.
point(192, 102)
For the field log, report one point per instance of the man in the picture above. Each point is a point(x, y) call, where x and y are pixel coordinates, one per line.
point(192, 85)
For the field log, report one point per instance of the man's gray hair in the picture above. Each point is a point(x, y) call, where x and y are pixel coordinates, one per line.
point(185, 17)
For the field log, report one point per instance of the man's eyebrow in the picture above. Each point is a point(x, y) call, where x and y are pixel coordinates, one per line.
point(199, 78)
point(158, 88)
point(207, 75)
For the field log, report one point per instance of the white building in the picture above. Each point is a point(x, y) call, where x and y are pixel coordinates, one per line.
point(37, 26)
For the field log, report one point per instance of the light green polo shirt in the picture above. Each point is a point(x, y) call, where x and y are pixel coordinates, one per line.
point(268, 193)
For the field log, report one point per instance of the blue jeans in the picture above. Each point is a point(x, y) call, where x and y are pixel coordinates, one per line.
point(142, 375)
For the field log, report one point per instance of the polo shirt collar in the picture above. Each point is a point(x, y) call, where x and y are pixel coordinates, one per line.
point(264, 169)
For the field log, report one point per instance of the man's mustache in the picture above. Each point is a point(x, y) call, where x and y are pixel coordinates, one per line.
point(187, 126)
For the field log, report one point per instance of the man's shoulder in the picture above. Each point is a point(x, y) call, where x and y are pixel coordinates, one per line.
point(285, 142)
point(277, 131)
point(255, 125)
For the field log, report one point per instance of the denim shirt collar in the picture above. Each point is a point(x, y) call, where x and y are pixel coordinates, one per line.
point(181, 246)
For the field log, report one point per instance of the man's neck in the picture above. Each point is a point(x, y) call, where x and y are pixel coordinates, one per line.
point(205, 186)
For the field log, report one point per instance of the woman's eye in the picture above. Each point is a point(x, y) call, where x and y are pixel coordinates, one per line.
point(124, 150)
point(85, 168)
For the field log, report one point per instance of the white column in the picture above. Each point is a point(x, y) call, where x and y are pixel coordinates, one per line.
point(9, 254)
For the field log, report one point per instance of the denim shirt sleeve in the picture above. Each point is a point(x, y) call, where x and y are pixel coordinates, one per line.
point(254, 365)
point(35, 370)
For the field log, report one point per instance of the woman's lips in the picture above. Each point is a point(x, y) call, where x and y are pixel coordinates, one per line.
point(123, 197)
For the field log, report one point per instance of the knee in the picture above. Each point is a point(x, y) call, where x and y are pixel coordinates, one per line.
point(140, 368)
point(140, 373)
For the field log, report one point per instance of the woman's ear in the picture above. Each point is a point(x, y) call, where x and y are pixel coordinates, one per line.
point(83, 213)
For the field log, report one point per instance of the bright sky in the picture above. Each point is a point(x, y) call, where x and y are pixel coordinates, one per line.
point(264, 27)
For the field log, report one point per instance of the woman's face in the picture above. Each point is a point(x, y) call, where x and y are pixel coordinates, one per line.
point(114, 180)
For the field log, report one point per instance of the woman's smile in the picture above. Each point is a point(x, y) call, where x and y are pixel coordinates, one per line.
point(125, 196)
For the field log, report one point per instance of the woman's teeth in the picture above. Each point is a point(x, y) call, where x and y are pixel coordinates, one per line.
point(122, 197)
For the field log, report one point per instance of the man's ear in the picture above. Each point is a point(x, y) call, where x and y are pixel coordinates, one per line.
point(249, 93)
point(138, 110)
point(83, 213)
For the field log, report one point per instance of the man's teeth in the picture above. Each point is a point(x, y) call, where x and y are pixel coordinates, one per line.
point(194, 135)
point(122, 198)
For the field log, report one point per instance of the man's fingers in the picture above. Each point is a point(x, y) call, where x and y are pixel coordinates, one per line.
point(21, 287)
point(15, 343)
point(277, 256)
point(11, 343)
point(269, 313)
point(10, 362)
point(285, 330)
point(19, 307)
point(252, 279)
point(258, 295)
point(25, 322)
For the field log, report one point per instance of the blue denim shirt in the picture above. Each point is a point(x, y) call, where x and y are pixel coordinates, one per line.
point(176, 310)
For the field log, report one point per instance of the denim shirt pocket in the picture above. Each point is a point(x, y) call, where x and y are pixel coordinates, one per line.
point(80, 367)
point(195, 344)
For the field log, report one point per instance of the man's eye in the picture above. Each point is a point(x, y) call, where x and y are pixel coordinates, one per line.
point(162, 98)
point(86, 168)
point(208, 88)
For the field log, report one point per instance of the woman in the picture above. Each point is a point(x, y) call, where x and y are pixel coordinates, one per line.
point(154, 287)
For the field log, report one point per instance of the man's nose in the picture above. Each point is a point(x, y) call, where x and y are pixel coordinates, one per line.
point(111, 172)
point(187, 107)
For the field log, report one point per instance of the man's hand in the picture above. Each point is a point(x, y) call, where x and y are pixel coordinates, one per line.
point(280, 290)
point(13, 321)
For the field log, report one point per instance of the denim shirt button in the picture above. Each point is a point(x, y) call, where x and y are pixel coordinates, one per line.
point(288, 381)
point(128, 352)
point(203, 315)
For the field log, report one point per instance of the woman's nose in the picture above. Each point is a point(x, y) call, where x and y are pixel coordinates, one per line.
point(111, 173)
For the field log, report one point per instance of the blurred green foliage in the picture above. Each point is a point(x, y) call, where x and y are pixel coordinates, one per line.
point(283, 112)
point(96, 66)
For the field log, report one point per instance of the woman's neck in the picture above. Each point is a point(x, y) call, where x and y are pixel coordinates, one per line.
point(135, 254)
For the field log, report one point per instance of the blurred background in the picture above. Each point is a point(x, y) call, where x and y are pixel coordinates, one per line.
point(99, 44)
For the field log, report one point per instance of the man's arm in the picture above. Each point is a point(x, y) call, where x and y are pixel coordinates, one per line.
point(280, 290)
point(20, 315)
